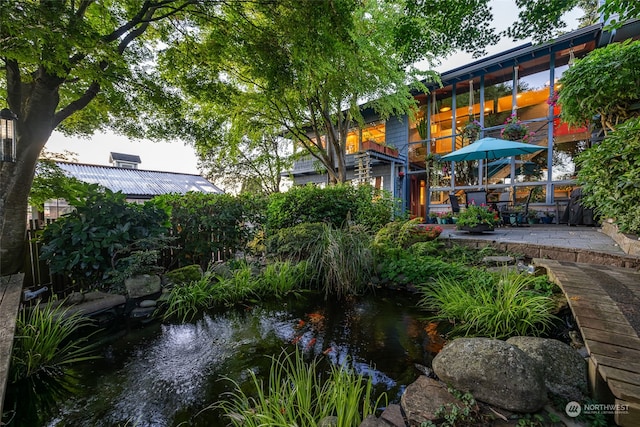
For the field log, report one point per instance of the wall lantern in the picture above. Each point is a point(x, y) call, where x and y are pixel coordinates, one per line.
point(8, 121)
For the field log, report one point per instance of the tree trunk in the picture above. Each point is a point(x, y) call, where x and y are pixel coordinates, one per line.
point(35, 124)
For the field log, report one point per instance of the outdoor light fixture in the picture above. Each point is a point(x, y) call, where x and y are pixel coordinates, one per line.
point(7, 135)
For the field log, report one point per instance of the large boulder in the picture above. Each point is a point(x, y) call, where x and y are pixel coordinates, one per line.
point(423, 398)
point(493, 371)
point(564, 370)
point(143, 285)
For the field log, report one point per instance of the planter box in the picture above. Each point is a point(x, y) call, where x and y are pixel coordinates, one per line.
point(478, 229)
point(393, 152)
point(373, 146)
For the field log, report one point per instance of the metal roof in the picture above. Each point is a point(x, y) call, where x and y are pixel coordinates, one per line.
point(137, 182)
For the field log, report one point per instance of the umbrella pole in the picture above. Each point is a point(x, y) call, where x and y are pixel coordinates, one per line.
point(486, 175)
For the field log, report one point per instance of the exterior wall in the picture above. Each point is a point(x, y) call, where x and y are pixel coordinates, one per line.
point(397, 133)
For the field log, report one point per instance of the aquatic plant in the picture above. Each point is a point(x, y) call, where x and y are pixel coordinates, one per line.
point(44, 342)
point(280, 278)
point(342, 260)
point(240, 286)
point(298, 394)
point(186, 300)
point(484, 304)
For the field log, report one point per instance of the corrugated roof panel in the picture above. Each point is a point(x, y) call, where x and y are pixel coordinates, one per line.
point(139, 182)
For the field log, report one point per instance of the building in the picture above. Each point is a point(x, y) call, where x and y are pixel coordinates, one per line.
point(476, 100)
point(137, 184)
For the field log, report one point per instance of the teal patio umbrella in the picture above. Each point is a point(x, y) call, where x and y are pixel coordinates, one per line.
point(491, 148)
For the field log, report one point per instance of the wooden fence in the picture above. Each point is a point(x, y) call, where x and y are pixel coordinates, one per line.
point(37, 273)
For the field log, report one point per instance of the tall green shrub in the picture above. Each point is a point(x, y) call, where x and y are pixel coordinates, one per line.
point(105, 238)
point(294, 243)
point(610, 174)
point(341, 260)
point(336, 205)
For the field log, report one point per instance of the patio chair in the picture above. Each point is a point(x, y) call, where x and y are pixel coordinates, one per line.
point(516, 214)
point(478, 198)
point(455, 205)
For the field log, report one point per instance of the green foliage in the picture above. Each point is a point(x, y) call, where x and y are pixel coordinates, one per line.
point(454, 415)
point(236, 284)
point(484, 304)
point(44, 342)
point(430, 248)
point(474, 215)
point(406, 268)
point(613, 191)
point(105, 238)
point(402, 234)
point(374, 208)
point(185, 301)
point(206, 224)
point(282, 278)
point(298, 394)
point(344, 51)
point(294, 243)
point(336, 205)
point(543, 20)
point(186, 274)
point(251, 154)
point(624, 8)
point(599, 85)
point(470, 256)
point(341, 260)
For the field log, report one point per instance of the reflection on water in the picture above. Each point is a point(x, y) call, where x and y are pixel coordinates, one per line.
point(166, 374)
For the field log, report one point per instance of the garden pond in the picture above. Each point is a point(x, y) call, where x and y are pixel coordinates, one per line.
point(164, 374)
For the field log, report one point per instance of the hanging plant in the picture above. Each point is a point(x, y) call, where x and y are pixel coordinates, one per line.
point(515, 130)
point(471, 130)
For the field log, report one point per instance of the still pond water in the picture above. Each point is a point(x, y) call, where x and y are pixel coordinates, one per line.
point(165, 374)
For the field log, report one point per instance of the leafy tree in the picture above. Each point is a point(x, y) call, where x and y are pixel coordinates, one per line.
point(80, 66)
point(256, 161)
point(603, 84)
point(304, 68)
point(542, 19)
point(624, 10)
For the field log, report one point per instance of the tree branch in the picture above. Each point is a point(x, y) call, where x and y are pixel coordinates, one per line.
point(77, 104)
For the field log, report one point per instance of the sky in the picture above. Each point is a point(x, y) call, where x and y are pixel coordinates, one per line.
point(175, 156)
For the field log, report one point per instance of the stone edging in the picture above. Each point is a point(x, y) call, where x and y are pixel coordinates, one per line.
point(552, 252)
point(627, 243)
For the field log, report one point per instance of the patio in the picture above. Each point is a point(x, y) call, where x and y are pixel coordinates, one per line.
point(558, 242)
